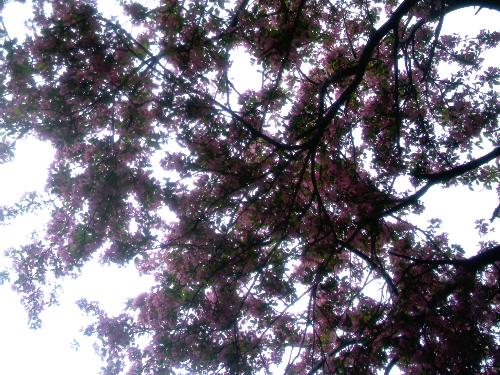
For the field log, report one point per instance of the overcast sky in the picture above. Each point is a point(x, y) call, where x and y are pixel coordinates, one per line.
point(50, 350)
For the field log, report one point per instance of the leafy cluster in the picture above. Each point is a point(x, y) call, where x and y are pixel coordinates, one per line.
point(286, 197)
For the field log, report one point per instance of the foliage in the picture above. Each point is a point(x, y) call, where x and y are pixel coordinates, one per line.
point(287, 197)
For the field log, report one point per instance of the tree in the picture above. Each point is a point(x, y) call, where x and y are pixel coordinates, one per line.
point(287, 198)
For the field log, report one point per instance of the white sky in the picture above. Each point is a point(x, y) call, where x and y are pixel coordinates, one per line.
point(49, 350)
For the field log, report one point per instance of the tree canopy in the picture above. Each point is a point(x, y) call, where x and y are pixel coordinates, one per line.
point(280, 205)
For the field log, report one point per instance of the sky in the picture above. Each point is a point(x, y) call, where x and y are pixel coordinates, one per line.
point(52, 349)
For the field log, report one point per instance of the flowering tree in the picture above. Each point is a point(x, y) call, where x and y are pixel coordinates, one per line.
point(288, 198)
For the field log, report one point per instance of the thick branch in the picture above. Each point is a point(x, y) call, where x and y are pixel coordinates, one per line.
point(446, 175)
point(359, 70)
point(235, 19)
point(365, 58)
point(440, 177)
point(474, 263)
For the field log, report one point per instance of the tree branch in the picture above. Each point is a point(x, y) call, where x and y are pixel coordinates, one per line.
point(339, 348)
point(439, 177)
point(474, 263)
point(446, 175)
